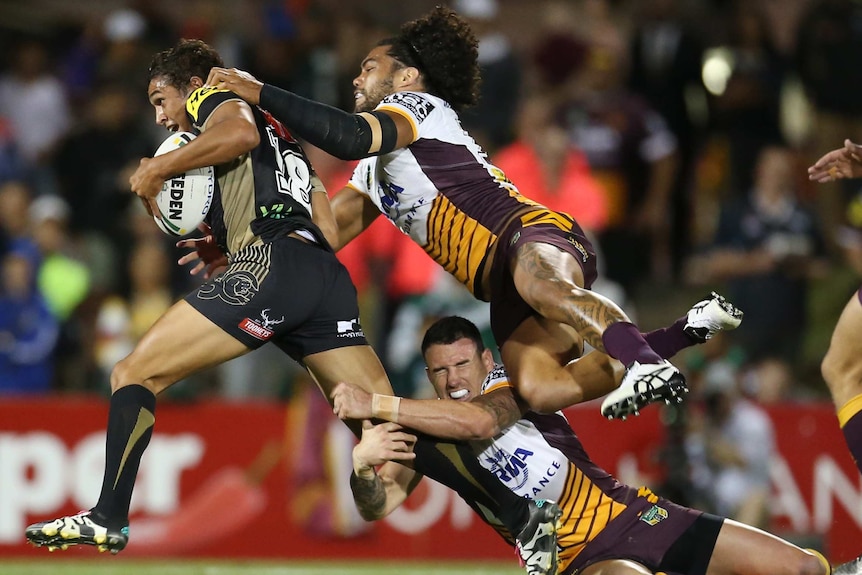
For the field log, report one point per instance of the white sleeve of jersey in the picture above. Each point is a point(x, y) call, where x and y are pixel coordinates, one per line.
point(359, 178)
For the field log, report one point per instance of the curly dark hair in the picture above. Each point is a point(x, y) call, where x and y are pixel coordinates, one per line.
point(187, 59)
point(442, 46)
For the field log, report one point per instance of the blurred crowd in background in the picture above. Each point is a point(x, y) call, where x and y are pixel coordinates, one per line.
point(677, 132)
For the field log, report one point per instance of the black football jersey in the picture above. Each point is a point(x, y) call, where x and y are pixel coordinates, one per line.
point(263, 194)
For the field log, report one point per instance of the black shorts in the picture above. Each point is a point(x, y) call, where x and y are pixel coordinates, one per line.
point(295, 294)
point(508, 308)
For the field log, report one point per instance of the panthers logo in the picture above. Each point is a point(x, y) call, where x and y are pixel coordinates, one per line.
point(236, 288)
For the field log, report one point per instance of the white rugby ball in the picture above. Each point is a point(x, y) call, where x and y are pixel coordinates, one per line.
point(185, 199)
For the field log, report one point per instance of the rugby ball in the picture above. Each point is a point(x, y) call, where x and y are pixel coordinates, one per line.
point(184, 200)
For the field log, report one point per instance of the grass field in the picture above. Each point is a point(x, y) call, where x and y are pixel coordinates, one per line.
point(107, 567)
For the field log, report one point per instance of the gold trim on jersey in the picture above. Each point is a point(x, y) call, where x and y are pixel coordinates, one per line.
point(254, 259)
point(196, 98)
point(413, 125)
point(236, 182)
point(376, 132)
point(558, 219)
point(451, 453)
point(457, 242)
point(587, 510)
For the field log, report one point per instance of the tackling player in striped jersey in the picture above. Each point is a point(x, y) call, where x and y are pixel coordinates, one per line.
point(607, 527)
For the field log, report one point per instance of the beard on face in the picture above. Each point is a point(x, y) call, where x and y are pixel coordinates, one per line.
point(375, 96)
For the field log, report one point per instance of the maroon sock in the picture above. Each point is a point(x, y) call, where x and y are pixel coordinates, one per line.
point(624, 342)
point(852, 430)
point(669, 341)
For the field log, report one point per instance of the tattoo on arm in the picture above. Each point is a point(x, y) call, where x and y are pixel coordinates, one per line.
point(369, 495)
point(502, 406)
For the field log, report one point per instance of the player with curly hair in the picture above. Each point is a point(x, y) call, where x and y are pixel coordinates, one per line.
point(430, 178)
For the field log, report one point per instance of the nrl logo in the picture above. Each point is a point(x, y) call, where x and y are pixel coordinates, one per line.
point(654, 515)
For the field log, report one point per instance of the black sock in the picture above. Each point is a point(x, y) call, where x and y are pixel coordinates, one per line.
point(130, 425)
point(455, 465)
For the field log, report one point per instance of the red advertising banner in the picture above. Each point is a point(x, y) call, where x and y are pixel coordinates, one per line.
point(270, 480)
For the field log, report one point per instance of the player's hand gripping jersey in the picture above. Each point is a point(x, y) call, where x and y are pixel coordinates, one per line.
point(441, 190)
point(264, 194)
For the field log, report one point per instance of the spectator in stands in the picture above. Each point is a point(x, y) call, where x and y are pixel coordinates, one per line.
point(15, 230)
point(28, 330)
point(632, 153)
point(738, 442)
point(33, 100)
point(828, 39)
point(767, 248)
point(549, 169)
point(64, 281)
point(93, 165)
point(665, 69)
point(491, 120)
point(122, 321)
point(748, 112)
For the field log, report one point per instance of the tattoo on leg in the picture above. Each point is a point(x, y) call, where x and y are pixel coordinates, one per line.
point(557, 297)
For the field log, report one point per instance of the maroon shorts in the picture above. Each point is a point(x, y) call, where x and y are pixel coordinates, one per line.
point(508, 308)
point(662, 536)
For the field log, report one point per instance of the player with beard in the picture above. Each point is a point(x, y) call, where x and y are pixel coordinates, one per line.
point(421, 170)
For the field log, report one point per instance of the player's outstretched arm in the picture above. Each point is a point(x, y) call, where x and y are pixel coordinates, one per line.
point(482, 418)
point(378, 492)
point(344, 135)
point(839, 164)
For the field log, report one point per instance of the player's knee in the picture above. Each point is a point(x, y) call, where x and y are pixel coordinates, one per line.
point(541, 396)
point(832, 368)
point(808, 564)
point(125, 373)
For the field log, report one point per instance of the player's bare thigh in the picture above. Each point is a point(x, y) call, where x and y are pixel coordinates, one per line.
point(744, 550)
point(616, 567)
point(356, 364)
point(539, 360)
point(842, 366)
point(181, 342)
point(544, 275)
point(552, 281)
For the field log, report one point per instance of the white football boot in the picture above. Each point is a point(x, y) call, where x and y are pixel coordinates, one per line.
point(709, 316)
point(644, 383)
